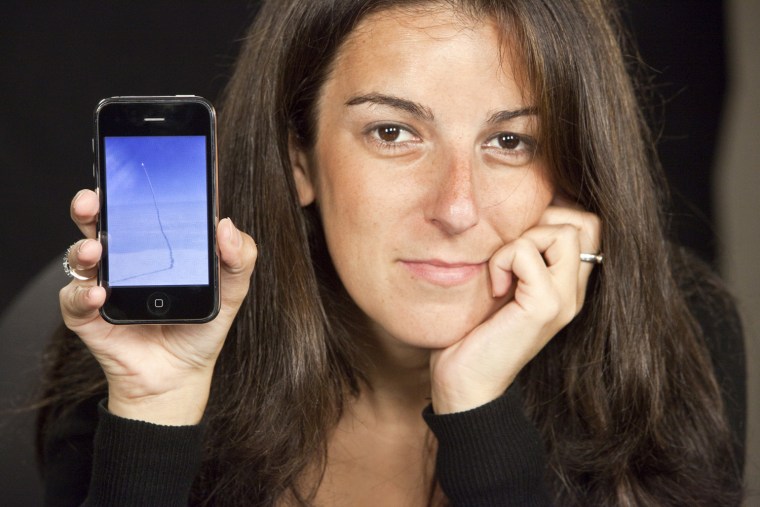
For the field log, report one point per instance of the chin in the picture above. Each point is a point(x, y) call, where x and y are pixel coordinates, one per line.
point(436, 328)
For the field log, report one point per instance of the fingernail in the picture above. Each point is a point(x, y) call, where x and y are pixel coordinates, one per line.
point(233, 235)
point(223, 232)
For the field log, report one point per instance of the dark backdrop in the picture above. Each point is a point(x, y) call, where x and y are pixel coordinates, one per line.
point(683, 43)
point(57, 60)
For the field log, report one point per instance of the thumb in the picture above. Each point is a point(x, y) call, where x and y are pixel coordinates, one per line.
point(238, 254)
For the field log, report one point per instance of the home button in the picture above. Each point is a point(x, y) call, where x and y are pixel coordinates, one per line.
point(158, 303)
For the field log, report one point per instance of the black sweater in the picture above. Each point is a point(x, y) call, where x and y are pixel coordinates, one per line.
point(482, 453)
point(491, 455)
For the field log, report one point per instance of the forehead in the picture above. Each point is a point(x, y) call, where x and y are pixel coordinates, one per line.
point(401, 44)
point(433, 19)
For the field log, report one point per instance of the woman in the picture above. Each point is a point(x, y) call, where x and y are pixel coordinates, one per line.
point(422, 179)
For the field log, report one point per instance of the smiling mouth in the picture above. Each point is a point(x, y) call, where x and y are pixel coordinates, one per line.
point(444, 274)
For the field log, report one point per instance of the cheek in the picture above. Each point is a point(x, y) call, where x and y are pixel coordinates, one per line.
point(348, 209)
point(354, 215)
point(527, 198)
point(361, 201)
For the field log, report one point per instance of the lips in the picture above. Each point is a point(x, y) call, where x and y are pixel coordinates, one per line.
point(443, 274)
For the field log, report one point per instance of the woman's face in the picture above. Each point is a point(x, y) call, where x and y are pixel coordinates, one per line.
point(423, 166)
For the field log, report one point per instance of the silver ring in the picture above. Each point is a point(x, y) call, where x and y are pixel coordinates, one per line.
point(71, 272)
point(592, 258)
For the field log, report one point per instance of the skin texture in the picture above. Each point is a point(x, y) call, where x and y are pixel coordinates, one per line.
point(442, 225)
point(436, 211)
point(444, 229)
point(159, 374)
point(440, 193)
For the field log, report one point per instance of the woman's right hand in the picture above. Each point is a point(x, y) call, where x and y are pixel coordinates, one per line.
point(155, 373)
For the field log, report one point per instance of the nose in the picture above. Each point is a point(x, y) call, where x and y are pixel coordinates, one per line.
point(453, 207)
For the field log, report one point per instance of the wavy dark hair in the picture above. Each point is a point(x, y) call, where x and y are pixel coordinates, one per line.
point(624, 397)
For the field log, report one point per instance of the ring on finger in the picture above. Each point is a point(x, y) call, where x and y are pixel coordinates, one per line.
point(71, 272)
point(592, 258)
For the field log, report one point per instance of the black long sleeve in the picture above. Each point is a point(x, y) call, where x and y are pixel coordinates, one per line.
point(139, 463)
point(490, 456)
point(125, 462)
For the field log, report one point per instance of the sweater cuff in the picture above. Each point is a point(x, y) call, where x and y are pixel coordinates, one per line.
point(490, 455)
point(140, 463)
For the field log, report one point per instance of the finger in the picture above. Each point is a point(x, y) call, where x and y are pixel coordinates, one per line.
point(537, 311)
point(590, 227)
point(83, 257)
point(80, 303)
point(238, 254)
point(587, 223)
point(84, 212)
point(553, 245)
point(522, 259)
point(559, 246)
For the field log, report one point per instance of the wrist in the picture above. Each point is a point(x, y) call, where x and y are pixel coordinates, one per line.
point(178, 407)
point(461, 398)
point(453, 404)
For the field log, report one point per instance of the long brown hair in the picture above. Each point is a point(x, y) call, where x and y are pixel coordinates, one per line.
point(624, 398)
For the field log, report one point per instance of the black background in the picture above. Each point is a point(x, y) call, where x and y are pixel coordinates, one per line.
point(57, 60)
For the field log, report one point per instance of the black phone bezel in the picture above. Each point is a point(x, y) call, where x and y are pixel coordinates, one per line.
point(182, 115)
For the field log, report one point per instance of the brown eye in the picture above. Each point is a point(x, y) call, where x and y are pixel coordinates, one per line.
point(388, 133)
point(508, 141)
point(513, 149)
point(391, 137)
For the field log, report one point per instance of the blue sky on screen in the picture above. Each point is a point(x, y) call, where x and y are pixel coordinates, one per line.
point(176, 165)
point(156, 210)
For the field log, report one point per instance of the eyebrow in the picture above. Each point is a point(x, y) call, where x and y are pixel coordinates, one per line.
point(408, 106)
point(502, 116)
point(425, 113)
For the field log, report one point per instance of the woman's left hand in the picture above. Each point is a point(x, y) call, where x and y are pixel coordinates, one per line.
point(549, 282)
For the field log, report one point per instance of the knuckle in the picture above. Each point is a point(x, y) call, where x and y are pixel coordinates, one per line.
point(567, 232)
point(250, 254)
point(243, 262)
point(522, 245)
point(592, 223)
point(593, 220)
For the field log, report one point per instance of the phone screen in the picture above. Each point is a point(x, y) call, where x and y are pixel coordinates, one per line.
point(156, 209)
point(156, 161)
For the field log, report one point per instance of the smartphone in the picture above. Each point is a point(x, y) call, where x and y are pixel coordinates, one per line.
point(156, 173)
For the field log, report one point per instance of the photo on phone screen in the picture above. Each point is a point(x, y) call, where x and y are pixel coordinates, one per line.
point(156, 159)
point(157, 210)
